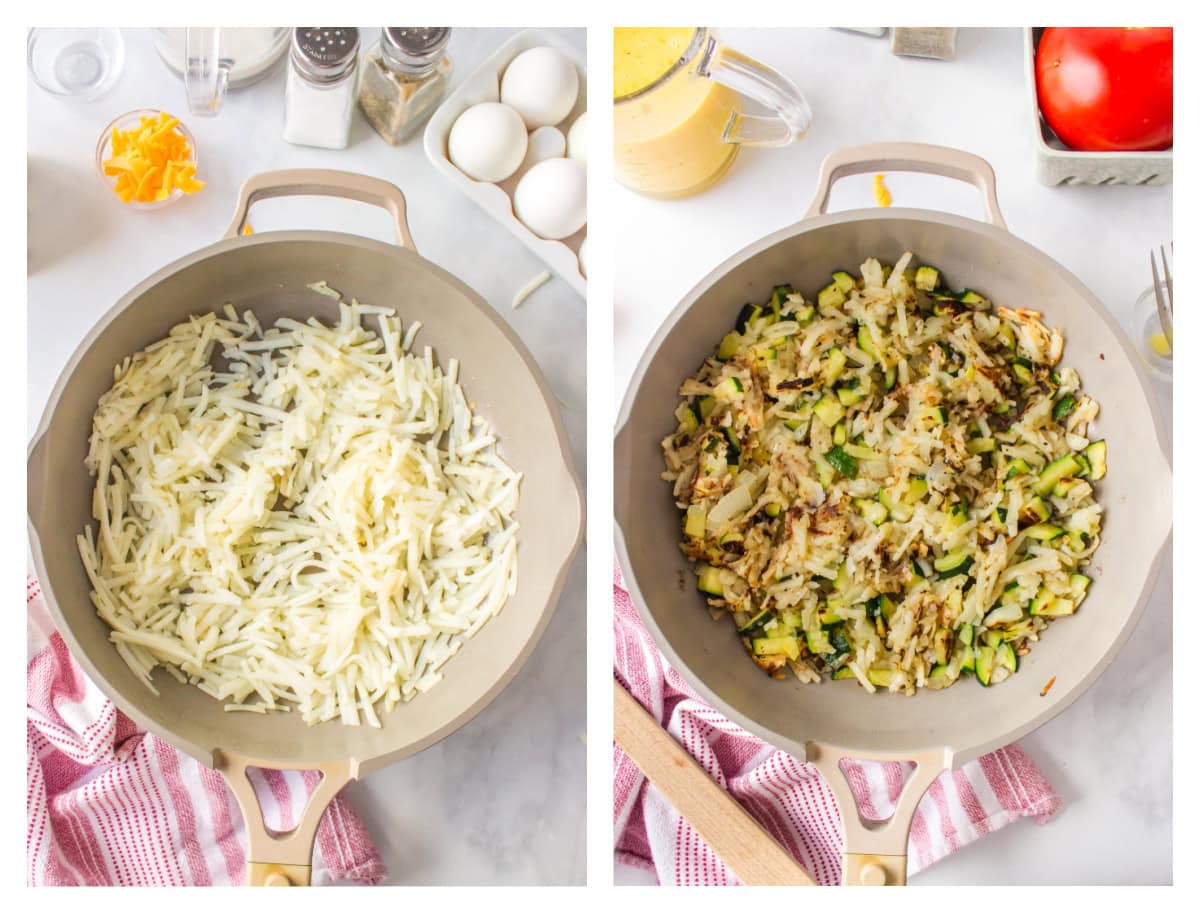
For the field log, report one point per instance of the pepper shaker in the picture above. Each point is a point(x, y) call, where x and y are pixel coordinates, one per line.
point(319, 98)
point(404, 78)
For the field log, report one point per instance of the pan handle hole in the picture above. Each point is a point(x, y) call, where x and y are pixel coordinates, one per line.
point(282, 796)
point(876, 787)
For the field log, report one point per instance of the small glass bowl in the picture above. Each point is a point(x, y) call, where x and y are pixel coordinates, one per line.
point(104, 151)
point(77, 64)
point(1143, 324)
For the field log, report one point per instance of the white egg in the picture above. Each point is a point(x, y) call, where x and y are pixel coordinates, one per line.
point(583, 257)
point(551, 199)
point(542, 85)
point(544, 143)
point(488, 142)
point(577, 139)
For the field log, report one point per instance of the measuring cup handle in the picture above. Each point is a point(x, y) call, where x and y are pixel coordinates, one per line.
point(911, 157)
point(205, 73)
point(762, 84)
point(281, 859)
point(876, 854)
point(336, 183)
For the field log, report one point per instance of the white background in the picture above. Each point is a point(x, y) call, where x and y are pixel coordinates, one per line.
point(1109, 755)
point(502, 800)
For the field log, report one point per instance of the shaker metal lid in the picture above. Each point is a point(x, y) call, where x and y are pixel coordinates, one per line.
point(325, 54)
point(414, 48)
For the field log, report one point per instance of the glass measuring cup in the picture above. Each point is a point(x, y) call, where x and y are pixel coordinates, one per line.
point(212, 60)
point(677, 109)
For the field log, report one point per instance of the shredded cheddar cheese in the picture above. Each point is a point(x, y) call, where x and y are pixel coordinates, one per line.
point(883, 197)
point(151, 160)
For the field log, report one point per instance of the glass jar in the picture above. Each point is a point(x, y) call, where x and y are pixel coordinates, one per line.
point(404, 79)
point(319, 99)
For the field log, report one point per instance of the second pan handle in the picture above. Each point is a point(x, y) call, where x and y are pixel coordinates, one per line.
point(336, 183)
point(281, 859)
point(877, 855)
point(911, 157)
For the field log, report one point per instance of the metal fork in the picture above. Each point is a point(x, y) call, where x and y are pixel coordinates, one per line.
point(1164, 295)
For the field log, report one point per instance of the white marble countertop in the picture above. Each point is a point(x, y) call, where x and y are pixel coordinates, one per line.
point(1109, 756)
point(502, 800)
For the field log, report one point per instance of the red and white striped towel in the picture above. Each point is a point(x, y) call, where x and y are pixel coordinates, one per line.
point(108, 804)
point(788, 797)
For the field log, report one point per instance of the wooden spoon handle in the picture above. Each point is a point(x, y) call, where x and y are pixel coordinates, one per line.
point(738, 840)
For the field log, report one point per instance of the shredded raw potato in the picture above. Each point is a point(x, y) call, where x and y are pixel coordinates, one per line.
point(306, 517)
point(151, 161)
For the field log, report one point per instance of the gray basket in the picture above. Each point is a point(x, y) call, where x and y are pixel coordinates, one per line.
point(1058, 165)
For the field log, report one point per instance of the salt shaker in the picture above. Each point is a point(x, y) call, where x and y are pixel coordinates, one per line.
point(404, 77)
point(321, 86)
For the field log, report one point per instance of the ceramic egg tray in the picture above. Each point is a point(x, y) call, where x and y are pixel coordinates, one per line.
point(1059, 165)
point(496, 198)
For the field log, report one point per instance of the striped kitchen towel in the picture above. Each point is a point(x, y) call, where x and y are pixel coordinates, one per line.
point(108, 804)
point(788, 797)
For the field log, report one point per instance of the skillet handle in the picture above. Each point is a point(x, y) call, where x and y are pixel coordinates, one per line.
point(877, 854)
point(911, 157)
point(336, 183)
point(281, 859)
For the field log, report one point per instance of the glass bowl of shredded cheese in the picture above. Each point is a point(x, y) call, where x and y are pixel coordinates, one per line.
point(148, 159)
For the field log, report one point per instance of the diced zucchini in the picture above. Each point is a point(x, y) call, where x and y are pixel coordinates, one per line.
point(843, 462)
point(730, 344)
point(977, 445)
point(889, 378)
point(1034, 512)
point(731, 538)
point(917, 489)
point(709, 579)
point(839, 433)
point(747, 317)
point(758, 621)
point(881, 676)
point(729, 389)
point(788, 646)
point(955, 563)
point(693, 525)
point(1079, 586)
point(818, 642)
point(829, 616)
point(1064, 407)
point(826, 474)
point(1017, 467)
point(887, 607)
point(844, 282)
point(939, 677)
point(829, 411)
point(834, 365)
point(779, 296)
point(1046, 605)
point(832, 296)
point(1063, 467)
point(900, 512)
point(686, 416)
point(707, 404)
point(966, 634)
point(773, 509)
point(842, 580)
point(804, 314)
point(1023, 374)
point(1097, 457)
point(927, 278)
point(967, 659)
point(1006, 656)
point(848, 396)
point(1044, 531)
point(1005, 336)
point(734, 449)
point(763, 356)
point(867, 344)
point(844, 672)
point(985, 662)
point(972, 299)
point(873, 511)
point(858, 451)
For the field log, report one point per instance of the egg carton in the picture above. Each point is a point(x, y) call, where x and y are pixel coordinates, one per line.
point(1058, 165)
point(483, 84)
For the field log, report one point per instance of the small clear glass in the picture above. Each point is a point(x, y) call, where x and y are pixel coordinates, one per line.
point(104, 151)
point(1145, 330)
point(79, 64)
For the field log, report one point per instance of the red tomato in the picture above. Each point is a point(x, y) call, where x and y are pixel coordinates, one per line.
point(1107, 89)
